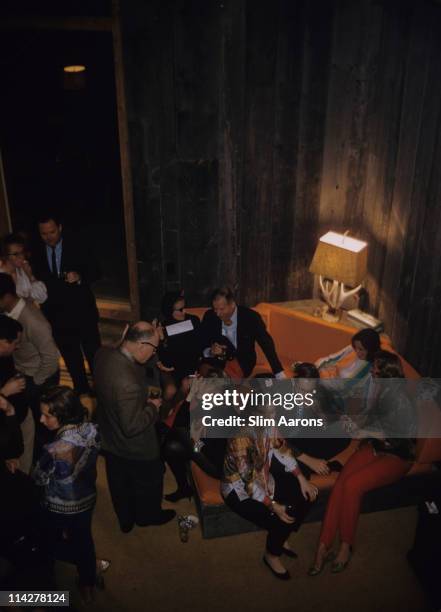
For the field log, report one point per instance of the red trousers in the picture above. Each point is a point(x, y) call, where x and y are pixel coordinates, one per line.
point(363, 472)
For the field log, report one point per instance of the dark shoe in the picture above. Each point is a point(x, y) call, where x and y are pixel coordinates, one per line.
point(315, 570)
point(126, 527)
point(179, 494)
point(290, 553)
point(337, 567)
point(165, 516)
point(284, 576)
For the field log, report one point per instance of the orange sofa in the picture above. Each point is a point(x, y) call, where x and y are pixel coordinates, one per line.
point(301, 337)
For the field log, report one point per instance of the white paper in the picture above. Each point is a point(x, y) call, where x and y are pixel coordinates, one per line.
point(179, 328)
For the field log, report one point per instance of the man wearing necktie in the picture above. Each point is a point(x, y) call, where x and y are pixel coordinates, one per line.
point(70, 308)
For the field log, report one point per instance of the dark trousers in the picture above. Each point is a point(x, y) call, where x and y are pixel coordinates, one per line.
point(287, 492)
point(72, 345)
point(177, 451)
point(68, 537)
point(135, 488)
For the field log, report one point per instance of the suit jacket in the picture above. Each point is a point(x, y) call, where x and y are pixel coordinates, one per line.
point(250, 329)
point(125, 417)
point(69, 306)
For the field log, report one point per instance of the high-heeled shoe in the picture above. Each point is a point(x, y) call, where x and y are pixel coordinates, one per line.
point(340, 566)
point(315, 570)
point(290, 553)
point(179, 494)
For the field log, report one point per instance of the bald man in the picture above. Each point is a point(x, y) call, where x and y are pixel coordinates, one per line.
point(126, 415)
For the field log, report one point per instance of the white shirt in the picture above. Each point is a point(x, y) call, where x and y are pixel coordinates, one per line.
point(17, 310)
point(33, 290)
point(230, 331)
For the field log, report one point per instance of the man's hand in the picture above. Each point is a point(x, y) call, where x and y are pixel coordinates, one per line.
point(156, 401)
point(6, 407)
point(72, 277)
point(13, 385)
point(12, 465)
point(309, 491)
point(280, 511)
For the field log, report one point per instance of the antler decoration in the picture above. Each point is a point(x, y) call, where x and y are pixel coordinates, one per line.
point(334, 292)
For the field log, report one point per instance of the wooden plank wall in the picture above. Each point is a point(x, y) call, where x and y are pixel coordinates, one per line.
point(256, 125)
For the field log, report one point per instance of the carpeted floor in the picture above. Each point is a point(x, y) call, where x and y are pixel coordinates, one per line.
point(152, 570)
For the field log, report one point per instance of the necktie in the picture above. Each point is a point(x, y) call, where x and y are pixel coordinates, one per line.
point(54, 263)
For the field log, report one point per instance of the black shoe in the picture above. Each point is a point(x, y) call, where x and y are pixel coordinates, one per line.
point(126, 527)
point(179, 494)
point(165, 516)
point(284, 576)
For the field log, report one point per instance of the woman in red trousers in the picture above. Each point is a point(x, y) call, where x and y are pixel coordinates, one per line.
point(380, 460)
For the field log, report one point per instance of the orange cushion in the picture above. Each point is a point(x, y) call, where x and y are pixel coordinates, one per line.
point(208, 488)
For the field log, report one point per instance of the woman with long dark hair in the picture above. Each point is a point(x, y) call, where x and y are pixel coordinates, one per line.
point(67, 471)
point(379, 461)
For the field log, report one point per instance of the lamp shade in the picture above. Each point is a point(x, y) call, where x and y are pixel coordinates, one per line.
point(341, 258)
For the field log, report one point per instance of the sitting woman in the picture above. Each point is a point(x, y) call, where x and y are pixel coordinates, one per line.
point(354, 361)
point(314, 452)
point(179, 352)
point(14, 262)
point(176, 444)
point(272, 498)
point(67, 471)
point(380, 460)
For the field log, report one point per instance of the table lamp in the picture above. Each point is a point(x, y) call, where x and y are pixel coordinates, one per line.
point(339, 260)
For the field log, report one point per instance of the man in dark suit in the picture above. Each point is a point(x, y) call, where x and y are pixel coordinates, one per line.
point(126, 415)
point(242, 327)
point(67, 268)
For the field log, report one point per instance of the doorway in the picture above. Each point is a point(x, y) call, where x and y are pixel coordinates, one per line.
point(60, 134)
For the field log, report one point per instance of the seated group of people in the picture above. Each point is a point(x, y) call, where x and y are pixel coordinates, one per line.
point(144, 399)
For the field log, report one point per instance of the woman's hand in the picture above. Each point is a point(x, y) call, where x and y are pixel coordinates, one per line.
point(309, 491)
point(26, 267)
point(280, 511)
point(6, 407)
point(13, 385)
point(163, 368)
point(318, 466)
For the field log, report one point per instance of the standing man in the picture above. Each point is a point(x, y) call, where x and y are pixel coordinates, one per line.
point(242, 327)
point(12, 387)
point(127, 414)
point(35, 356)
point(67, 268)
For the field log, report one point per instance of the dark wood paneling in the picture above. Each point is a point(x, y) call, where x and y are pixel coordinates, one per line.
point(257, 126)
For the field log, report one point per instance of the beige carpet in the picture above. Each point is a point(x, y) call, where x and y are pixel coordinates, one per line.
point(152, 570)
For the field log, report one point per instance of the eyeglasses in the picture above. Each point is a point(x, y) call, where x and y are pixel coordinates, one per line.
point(16, 254)
point(154, 347)
point(179, 309)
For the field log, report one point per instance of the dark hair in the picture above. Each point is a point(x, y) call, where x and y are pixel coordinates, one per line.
point(213, 369)
point(48, 215)
point(369, 339)
point(64, 404)
point(12, 239)
point(225, 292)
point(9, 328)
point(137, 333)
point(7, 285)
point(169, 300)
point(389, 364)
point(305, 370)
